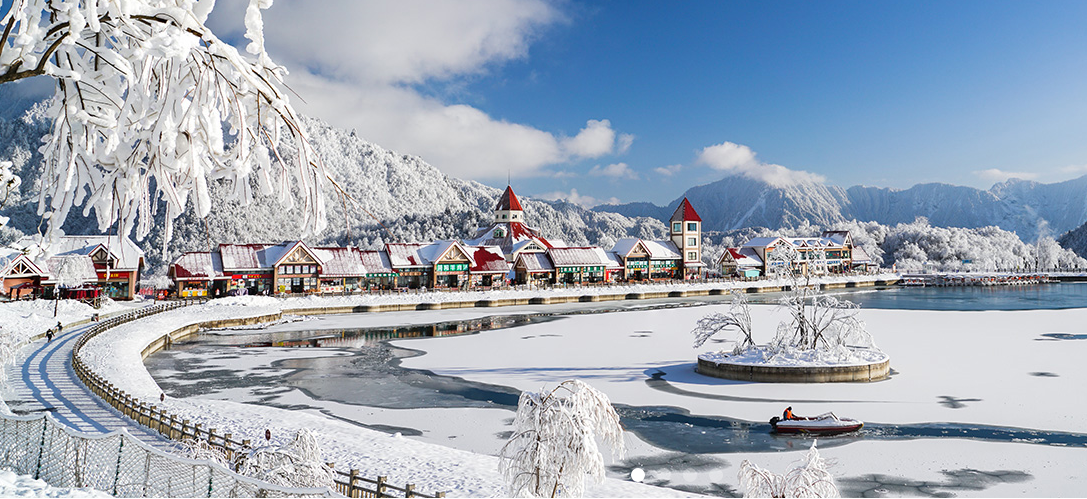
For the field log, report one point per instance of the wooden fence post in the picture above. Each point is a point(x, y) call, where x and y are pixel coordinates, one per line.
point(381, 485)
point(351, 483)
point(409, 490)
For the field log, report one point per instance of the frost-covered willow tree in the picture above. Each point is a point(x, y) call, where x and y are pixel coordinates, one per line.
point(737, 318)
point(9, 184)
point(297, 464)
point(809, 479)
point(553, 446)
point(150, 106)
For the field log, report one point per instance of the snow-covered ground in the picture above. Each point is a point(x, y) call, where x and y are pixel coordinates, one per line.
point(1005, 369)
point(14, 485)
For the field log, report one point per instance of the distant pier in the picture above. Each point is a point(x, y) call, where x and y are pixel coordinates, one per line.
point(955, 279)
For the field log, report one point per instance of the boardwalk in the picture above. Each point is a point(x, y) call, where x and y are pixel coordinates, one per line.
point(42, 379)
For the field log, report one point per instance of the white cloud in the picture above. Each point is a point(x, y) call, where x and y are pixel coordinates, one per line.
point(355, 65)
point(575, 198)
point(624, 143)
point(669, 170)
point(593, 141)
point(996, 175)
point(1075, 169)
point(615, 171)
point(740, 159)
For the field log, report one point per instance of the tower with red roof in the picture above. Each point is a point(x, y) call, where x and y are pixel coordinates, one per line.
point(686, 231)
point(508, 231)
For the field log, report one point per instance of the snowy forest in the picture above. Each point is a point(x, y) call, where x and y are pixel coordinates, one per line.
point(392, 197)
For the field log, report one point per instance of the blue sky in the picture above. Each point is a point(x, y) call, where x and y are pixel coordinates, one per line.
point(886, 94)
point(633, 100)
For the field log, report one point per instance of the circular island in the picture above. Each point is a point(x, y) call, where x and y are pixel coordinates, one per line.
point(755, 364)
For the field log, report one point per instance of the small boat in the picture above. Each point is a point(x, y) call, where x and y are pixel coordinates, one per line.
point(823, 424)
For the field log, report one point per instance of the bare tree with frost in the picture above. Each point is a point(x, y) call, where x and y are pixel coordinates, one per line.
point(809, 479)
point(820, 321)
point(554, 443)
point(737, 318)
point(297, 464)
point(782, 260)
point(9, 184)
point(148, 98)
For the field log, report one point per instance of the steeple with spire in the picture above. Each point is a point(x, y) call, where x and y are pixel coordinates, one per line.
point(508, 231)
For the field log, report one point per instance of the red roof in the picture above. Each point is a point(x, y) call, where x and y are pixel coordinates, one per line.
point(685, 212)
point(508, 201)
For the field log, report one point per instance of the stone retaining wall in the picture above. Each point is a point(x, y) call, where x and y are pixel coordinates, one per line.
point(784, 374)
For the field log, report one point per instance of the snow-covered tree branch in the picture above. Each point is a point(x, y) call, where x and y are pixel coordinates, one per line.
point(554, 446)
point(738, 317)
point(149, 99)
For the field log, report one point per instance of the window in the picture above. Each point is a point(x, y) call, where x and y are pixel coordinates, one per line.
point(677, 226)
point(692, 256)
point(503, 217)
point(692, 241)
point(692, 226)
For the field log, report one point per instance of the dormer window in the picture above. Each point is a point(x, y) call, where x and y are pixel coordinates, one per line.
point(499, 233)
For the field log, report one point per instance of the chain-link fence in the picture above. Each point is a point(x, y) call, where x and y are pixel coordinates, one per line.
point(121, 464)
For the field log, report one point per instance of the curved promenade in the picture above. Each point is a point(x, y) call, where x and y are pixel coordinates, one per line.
point(42, 380)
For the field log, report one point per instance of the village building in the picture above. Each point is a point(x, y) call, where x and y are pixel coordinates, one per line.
point(412, 270)
point(685, 228)
point(534, 269)
point(741, 262)
point(379, 270)
point(643, 260)
point(833, 250)
point(489, 267)
point(19, 276)
point(582, 265)
point(343, 271)
point(509, 232)
point(195, 272)
point(116, 260)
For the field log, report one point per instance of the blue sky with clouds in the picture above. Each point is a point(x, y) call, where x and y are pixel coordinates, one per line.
point(637, 101)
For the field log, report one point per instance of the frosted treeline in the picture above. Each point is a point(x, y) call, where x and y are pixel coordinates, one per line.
point(918, 245)
point(393, 197)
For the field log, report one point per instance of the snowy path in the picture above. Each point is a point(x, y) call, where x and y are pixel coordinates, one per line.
point(42, 379)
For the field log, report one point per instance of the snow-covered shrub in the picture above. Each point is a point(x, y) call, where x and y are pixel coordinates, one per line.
point(553, 446)
point(297, 464)
point(738, 317)
point(810, 478)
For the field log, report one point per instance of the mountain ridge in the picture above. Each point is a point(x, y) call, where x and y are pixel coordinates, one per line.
point(1030, 209)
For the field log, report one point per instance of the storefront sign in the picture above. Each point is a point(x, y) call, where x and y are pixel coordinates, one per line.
point(114, 275)
point(452, 267)
point(251, 276)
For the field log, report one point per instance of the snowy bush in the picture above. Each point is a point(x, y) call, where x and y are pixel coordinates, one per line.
point(297, 464)
point(809, 479)
point(738, 317)
point(553, 446)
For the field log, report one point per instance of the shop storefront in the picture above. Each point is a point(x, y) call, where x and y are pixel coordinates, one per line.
point(450, 275)
point(298, 279)
point(253, 284)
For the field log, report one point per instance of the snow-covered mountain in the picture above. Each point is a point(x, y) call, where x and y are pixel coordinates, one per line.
point(391, 197)
point(1030, 209)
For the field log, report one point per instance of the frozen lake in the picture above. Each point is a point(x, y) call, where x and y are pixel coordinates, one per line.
point(687, 431)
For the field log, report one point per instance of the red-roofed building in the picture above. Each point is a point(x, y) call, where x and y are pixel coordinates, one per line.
point(509, 232)
point(686, 232)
